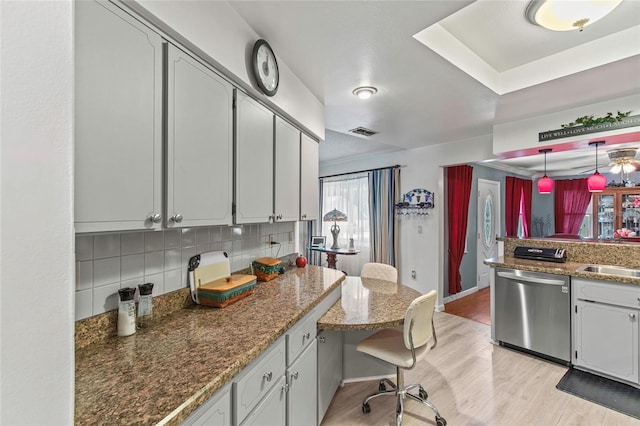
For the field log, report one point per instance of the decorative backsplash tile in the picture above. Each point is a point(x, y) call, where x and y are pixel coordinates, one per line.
point(110, 261)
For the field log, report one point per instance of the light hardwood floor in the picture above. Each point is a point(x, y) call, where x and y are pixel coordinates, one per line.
point(474, 382)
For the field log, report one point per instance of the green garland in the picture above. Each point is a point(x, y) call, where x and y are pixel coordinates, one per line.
point(588, 120)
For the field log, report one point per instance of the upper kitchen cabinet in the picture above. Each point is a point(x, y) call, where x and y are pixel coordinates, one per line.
point(199, 143)
point(287, 172)
point(118, 121)
point(253, 161)
point(309, 190)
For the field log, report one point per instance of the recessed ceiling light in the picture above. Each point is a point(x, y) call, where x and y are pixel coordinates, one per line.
point(562, 15)
point(365, 92)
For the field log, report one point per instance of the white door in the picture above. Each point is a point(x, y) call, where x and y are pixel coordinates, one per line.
point(488, 227)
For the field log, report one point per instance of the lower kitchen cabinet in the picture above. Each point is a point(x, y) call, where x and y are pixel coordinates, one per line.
point(606, 332)
point(301, 395)
point(216, 411)
point(329, 368)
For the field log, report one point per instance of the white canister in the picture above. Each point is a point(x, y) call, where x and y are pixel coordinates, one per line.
point(126, 312)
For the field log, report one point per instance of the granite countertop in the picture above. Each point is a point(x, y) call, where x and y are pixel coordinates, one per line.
point(368, 303)
point(567, 268)
point(164, 372)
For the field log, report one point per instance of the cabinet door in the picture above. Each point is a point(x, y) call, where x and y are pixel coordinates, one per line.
point(606, 340)
point(329, 368)
point(309, 188)
point(199, 143)
point(253, 161)
point(301, 395)
point(287, 172)
point(604, 214)
point(118, 121)
point(630, 211)
point(271, 411)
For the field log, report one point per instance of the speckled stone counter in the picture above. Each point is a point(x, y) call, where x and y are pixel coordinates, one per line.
point(579, 253)
point(368, 304)
point(164, 372)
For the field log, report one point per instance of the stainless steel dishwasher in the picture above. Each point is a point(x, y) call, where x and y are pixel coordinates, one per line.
point(533, 312)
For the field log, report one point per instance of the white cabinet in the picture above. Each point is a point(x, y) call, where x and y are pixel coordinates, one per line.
point(253, 161)
point(329, 372)
point(301, 395)
point(606, 330)
point(118, 121)
point(287, 172)
point(216, 411)
point(309, 187)
point(199, 144)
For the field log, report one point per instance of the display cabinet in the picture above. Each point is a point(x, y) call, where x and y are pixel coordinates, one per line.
point(616, 208)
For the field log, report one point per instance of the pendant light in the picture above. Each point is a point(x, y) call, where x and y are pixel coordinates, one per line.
point(596, 182)
point(545, 183)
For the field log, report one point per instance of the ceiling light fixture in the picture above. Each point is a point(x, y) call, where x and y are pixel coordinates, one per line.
point(545, 183)
point(365, 92)
point(623, 160)
point(563, 15)
point(596, 182)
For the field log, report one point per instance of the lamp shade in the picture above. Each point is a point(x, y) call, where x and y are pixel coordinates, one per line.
point(545, 185)
point(596, 182)
point(334, 216)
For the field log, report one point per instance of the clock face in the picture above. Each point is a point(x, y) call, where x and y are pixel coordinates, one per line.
point(265, 68)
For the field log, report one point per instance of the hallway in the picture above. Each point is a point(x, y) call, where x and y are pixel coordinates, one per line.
point(476, 306)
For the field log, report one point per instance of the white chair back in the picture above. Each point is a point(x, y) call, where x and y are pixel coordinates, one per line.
point(379, 271)
point(421, 313)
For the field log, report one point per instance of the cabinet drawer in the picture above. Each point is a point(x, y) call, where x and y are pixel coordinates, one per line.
point(258, 378)
point(607, 292)
point(299, 337)
point(272, 410)
point(215, 411)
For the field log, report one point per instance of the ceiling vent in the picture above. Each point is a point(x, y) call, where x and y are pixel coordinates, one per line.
point(363, 131)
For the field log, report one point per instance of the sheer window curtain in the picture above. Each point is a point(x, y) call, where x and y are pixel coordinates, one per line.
point(350, 195)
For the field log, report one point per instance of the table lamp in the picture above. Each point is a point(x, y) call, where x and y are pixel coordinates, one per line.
point(335, 216)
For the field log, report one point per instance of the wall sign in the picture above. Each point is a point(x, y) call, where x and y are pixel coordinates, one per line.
point(582, 130)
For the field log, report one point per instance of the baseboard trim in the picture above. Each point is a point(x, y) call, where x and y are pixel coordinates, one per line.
point(460, 295)
point(369, 378)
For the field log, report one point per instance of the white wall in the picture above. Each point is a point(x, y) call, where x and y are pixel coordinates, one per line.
point(216, 29)
point(522, 135)
point(36, 232)
point(422, 168)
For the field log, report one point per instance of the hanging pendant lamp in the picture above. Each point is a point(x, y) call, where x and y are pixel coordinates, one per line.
point(596, 182)
point(545, 183)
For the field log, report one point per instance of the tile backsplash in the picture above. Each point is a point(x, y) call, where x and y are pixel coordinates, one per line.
point(108, 262)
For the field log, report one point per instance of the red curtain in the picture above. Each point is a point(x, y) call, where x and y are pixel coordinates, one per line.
point(517, 197)
point(458, 193)
point(571, 200)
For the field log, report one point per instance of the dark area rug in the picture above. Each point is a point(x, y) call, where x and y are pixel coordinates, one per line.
point(609, 393)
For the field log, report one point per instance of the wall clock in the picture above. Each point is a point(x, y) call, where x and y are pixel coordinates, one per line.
point(265, 67)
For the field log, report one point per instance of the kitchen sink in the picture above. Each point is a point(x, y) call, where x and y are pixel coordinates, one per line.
point(610, 270)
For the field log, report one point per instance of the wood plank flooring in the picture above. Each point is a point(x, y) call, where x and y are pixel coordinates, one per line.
point(474, 382)
point(476, 306)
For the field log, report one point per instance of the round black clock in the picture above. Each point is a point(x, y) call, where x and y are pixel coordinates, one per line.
point(265, 67)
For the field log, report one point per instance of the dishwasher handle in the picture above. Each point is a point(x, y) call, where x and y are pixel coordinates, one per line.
point(529, 279)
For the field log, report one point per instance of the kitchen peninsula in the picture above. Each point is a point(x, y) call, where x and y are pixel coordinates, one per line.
point(163, 373)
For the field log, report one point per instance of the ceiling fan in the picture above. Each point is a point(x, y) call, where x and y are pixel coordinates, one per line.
point(620, 160)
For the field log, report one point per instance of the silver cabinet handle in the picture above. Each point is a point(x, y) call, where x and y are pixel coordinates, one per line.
point(267, 376)
point(304, 216)
point(279, 217)
point(285, 387)
point(632, 316)
point(294, 375)
point(321, 339)
point(307, 335)
point(177, 218)
point(155, 217)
